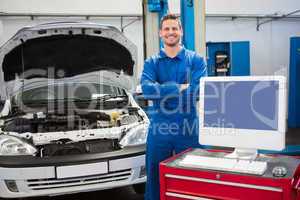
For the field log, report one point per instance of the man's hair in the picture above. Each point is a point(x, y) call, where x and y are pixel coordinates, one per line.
point(169, 17)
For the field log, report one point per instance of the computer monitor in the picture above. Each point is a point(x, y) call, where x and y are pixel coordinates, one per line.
point(244, 112)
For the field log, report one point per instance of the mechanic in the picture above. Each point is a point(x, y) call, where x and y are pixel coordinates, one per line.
point(170, 80)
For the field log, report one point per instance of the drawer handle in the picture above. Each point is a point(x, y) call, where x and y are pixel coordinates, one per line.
point(184, 196)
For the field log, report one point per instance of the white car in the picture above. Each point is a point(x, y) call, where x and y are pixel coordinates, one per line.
point(69, 123)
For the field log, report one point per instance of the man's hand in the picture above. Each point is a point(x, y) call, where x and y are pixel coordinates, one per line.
point(183, 87)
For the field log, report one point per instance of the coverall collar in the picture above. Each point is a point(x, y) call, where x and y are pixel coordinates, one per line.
point(180, 54)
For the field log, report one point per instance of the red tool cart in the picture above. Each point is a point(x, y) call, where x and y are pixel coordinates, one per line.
point(180, 182)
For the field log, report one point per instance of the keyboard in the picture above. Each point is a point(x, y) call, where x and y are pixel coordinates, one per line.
point(224, 164)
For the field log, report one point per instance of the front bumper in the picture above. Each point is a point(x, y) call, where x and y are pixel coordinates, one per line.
point(70, 174)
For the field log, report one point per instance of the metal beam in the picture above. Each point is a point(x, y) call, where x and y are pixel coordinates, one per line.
point(4, 14)
point(200, 24)
point(161, 8)
point(188, 23)
point(250, 16)
point(273, 19)
point(151, 29)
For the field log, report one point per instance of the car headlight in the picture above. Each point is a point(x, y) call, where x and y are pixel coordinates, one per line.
point(135, 136)
point(13, 146)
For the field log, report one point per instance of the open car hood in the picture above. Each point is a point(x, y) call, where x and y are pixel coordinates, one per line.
point(64, 50)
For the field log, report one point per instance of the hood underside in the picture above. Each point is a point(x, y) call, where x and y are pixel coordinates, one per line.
point(71, 54)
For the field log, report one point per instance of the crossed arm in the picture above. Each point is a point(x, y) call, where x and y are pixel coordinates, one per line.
point(153, 90)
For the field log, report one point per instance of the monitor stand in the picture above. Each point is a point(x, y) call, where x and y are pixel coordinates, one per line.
point(243, 154)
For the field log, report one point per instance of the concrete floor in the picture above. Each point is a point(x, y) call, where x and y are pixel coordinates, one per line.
point(124, 193)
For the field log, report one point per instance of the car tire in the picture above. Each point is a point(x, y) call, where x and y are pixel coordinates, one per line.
point(139, 188)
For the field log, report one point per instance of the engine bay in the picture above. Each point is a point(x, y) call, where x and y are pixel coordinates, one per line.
point(82, 131)
point(78, 120)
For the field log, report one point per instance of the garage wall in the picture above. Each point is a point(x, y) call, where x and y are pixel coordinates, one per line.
point(254, 7)
point(114, 8)
point(111, 7)
point(251, 7)
point(269, 47)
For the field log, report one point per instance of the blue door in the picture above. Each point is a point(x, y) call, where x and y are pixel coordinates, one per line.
point(294, 84)
point(240, 58)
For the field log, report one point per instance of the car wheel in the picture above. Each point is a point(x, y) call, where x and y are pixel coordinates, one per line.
point(139, 188)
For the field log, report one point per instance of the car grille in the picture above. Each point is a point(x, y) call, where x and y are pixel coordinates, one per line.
point(45, 184)
point(90, 146)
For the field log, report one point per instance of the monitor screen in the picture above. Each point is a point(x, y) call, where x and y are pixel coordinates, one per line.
point(244, 112)
point(241, 104)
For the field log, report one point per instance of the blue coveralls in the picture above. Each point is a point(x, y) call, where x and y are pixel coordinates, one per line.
point(173, 120)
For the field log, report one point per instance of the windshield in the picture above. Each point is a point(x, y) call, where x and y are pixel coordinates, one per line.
point(70, 91)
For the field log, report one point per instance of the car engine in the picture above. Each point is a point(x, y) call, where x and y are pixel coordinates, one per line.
point(55, 134)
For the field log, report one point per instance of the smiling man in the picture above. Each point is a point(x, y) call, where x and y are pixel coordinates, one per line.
point(171, 80)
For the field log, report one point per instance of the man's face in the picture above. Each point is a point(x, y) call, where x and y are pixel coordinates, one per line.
point(170, 32)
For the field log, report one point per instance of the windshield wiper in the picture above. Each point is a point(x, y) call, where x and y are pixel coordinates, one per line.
point(51, 100)
point(102, 98)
